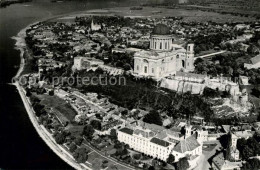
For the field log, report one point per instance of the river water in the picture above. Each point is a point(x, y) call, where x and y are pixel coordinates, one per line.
point(20, 145)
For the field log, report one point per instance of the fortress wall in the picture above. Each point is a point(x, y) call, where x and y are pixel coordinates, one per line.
point(196, 88)
point(170, 84)
point(182, 87)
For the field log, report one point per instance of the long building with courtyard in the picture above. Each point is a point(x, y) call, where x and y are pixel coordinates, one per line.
point(158, 142)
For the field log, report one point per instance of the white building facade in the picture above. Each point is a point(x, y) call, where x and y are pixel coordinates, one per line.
point(164, 57)
point(81, 63)
point(160, 143)
point(95, 27)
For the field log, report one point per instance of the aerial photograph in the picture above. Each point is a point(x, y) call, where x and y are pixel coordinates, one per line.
point(130, 84)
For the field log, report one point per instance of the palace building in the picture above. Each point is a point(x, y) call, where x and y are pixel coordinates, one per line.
point(158, 142)
point(164, 57)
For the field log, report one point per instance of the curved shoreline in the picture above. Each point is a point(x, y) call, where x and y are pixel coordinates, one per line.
point(42, 132)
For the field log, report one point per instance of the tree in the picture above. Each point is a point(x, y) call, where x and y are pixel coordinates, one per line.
point(28, 92)
point(78, 140)
point(113, 134)
point(81, 155)
point(127, 67)
point(208, 92)
point(88, 131)
point(247, 152)
point(256, 91)
point(153, 117)
point(51, 93)
point(39, 109)
point(60, 138)
point(34, 99)
point(252, 164)
point(241, 143)
point(182, 164)
point(229, 148)
point(151, 168)
point(124, 112)
point(72, 147)
point(170, 159)
point(248, 148)
point(96, 124)
point(137, 156)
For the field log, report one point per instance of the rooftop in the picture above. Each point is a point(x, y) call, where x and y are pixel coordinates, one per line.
point(221, 163)
point(255, 59)
point(160, 142)
point(127, 131)
point(161, 29)
point(188, 144)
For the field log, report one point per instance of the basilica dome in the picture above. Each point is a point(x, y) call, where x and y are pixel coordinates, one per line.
point(161, 29)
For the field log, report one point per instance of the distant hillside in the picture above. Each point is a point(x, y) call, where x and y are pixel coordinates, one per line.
point(248, 3)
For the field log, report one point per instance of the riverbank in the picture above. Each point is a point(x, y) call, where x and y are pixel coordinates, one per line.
point(21, 46)
point(47, 137)
point(42, 132)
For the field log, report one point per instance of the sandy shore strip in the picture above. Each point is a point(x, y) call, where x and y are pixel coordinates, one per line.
point(20, 45)
point(46, 137)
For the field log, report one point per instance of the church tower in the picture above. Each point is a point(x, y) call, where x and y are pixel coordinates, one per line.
point(188, 130)
point(190, 57)
point(95, 27)
point(200, 135)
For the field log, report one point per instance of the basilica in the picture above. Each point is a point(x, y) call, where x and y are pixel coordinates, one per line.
point(164, 58)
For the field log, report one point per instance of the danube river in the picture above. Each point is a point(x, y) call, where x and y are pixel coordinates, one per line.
point(20, 145)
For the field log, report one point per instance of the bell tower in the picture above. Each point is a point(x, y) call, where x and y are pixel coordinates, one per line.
point(190, 57)
point(188, 130)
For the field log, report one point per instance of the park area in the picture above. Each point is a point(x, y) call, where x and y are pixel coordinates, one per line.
point(60, 107)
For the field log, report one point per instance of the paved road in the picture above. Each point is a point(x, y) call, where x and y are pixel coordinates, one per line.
point(203, 161)
point(208, 55)
point(109, 158)
point(97, 151)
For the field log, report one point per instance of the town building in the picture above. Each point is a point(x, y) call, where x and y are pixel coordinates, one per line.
point(95, 26)
point(164, 57)
point(158, 142)
point(81, 63)
point(238, 135)
point(235, 154)
point(219, 163)
point(255, 63)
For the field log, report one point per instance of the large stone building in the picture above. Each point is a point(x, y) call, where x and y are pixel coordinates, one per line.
point(83, 63)
point(158, 142)
point(164, 57)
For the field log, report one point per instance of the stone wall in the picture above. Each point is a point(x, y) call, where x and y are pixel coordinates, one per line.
point(182, 86)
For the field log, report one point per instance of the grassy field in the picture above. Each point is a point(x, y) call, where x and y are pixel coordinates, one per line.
point(58, 104)
point(76, 130)
point(96, 161)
